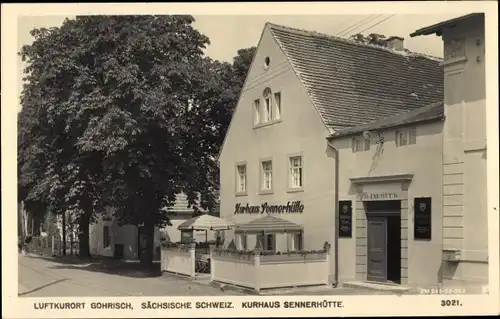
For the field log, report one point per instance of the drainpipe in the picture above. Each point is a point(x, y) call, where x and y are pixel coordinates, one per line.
point(336, 215)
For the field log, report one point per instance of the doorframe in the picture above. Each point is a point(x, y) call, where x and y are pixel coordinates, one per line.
point(359, 213)
point(385, 215)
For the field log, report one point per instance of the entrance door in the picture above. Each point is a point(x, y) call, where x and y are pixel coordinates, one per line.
point(377, 248)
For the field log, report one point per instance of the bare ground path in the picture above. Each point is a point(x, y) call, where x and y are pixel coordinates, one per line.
point(43, 277)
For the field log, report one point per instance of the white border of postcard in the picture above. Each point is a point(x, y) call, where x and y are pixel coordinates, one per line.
point(377, 305)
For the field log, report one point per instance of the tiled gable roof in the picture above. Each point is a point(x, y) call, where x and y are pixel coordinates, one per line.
point(432, 112)
point(352, 84)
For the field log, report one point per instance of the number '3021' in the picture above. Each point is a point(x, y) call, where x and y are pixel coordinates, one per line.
point(450, 303)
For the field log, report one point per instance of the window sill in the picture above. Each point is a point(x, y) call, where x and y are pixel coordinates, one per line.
point(295, 190)
point(256, 126)
point(266, 192)
point(240, 194)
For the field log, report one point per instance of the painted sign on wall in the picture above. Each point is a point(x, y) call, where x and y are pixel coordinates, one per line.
point(423, 225)
point(380, 196)
point(345, 219)
point(289, 207)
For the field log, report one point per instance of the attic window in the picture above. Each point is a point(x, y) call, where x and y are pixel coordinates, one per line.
point(267, 61)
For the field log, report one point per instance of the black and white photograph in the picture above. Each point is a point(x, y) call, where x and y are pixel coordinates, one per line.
point(219, 164)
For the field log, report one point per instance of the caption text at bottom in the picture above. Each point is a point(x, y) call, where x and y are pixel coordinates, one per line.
point(151, 305)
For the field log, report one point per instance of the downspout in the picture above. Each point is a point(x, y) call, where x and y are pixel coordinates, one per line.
point(336, 215)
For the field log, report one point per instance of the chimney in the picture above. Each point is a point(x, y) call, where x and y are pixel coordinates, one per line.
point(395, 43)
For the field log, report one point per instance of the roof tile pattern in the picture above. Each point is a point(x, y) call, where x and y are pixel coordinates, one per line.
point(352, 84)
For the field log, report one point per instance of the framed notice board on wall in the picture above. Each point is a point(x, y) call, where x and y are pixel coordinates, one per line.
point(422, 227)
point(345, 219)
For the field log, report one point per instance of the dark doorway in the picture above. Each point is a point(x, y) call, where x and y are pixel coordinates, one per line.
point(383, 241)
point(394, 248)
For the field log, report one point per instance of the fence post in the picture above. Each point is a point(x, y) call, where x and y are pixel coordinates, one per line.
point(192, 253)
point(53, 243)
point(256, 260)
point(327, 268)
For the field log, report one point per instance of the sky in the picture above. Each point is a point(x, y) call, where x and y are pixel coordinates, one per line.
point(228, 33)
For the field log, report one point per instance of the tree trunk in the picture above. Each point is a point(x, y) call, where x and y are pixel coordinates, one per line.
point(83, 237)
point(20, 222)
point(146, 257)
point(37, 221)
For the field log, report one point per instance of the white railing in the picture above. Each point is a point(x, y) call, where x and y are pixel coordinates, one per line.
point(46, 245)
point(257, 271)
point(179, 260)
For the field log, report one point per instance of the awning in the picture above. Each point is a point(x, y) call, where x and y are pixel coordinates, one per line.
point(438, 27)
point(206, 222)
point(269, 224)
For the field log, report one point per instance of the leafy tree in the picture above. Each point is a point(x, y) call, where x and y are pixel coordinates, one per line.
point(208, 117)
point(123, 111)
point(108, 107)
point(241, 64)
point(50, 225)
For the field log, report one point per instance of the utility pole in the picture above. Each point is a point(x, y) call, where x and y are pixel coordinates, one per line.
point(64, 232)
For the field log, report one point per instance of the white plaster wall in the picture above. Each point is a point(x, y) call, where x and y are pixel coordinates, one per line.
point(424, 161)
point(465, 147)
point(301, 130)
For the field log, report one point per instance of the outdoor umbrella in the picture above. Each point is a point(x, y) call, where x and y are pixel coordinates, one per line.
point(206, 223)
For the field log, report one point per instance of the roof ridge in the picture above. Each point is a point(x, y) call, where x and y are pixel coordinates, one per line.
point(404, 52)
point(401, 116)
point(409, 112)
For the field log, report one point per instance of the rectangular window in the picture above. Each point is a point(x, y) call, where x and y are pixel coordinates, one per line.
point(296, 172)
point(296, 242)
point(241, 186)
point(243, 242)
point(367, 144)
point(106, 237)
point(268, 116)
point(256, 105)
point(261, 241)
point(267, 175)
point(412, 137)
point(277, 101)
point(360, 144)
point(406, 137)
point(269, 243)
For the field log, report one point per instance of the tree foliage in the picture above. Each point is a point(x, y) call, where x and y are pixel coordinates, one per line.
point(123, 111)
point(372, 38)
